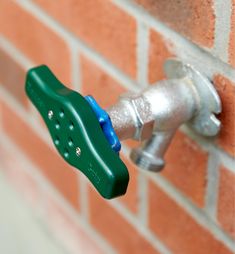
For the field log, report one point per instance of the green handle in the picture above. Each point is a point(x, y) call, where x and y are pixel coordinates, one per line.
point(76, 132)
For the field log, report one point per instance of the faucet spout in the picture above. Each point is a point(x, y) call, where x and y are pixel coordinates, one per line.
point(153, 116)
point(150, 156)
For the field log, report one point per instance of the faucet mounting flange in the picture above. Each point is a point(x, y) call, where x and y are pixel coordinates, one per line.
point(205, 122)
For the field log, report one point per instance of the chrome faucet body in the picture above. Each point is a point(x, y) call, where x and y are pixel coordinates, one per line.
point(154, 115)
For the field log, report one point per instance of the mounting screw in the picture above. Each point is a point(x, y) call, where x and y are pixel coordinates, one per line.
point(50, 114)
point(78, 151)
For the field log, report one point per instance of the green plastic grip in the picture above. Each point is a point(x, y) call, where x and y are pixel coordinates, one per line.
point(76, 132)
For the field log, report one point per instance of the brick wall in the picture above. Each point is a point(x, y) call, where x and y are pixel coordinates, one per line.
point(114, 46)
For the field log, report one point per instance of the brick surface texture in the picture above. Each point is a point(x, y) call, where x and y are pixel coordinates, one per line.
point(116, 38)
point(226, 208)
point(232, 37)
point(226, 90)
point(96, 82)
point(158, 53)
point(36, 40)
point(127, 239)
point(104, 49)
point(187, 172)
point(194, 19)
point(174, 226)
point(13, 83)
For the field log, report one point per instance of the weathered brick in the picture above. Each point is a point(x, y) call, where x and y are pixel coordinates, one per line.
point(12, 77)
point(226, 90)
point(99, 84)
point(232, 36)
point(159, 52)
point(102, 25)
point(38, 42)
point(226, 201)
point(193, 19)
point(52, 166)
point(123, 236)
point(177, 229)
point(186, 167)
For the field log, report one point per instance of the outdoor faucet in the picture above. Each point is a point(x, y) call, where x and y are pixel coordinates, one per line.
point(87, 136)
point(155, 114)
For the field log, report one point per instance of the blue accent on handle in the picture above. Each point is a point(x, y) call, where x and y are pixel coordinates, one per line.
point(105, 123)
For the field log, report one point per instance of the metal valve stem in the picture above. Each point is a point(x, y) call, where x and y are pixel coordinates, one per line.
point(155, 114)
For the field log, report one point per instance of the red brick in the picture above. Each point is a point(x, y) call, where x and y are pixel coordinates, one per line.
point(226, 201)
point(99, 84)
point(38, 42)
point(232, 36)
point(102, 25)
point(132, 143)
point(123, 236)
point(226, 90)
point(158, 53)
point(177, 229)
point(186, 167)
point(130, 199)
point(52, 166)
point(66, 230)
point(193, 19)
point(12, 77)
point(22, 180)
